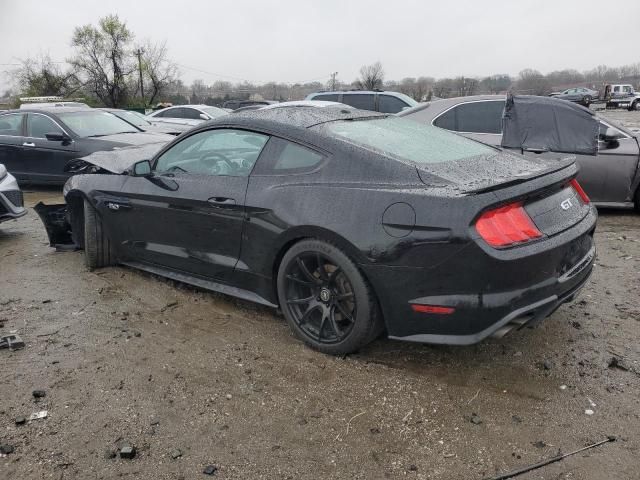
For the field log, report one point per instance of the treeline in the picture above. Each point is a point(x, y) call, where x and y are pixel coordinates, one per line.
point(108, 67)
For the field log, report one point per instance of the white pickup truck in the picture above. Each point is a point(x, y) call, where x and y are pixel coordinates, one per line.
point(622, 96)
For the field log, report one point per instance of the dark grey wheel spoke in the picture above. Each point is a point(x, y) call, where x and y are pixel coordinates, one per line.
point(325, 316)
point(344, 313)
point(321, 268)
point(334, 274)
point(300, 281)
point(307, 313)
point(332, 321)
point(306, 271)
point(297, 301)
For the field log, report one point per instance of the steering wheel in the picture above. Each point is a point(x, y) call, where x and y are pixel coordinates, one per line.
point(212, 160)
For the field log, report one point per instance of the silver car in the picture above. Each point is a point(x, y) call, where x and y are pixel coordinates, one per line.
point(186, 114)
point(11, 203)
point(611, 177)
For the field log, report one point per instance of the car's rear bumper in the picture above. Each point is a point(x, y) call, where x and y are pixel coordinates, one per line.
point(11, 200)
point(489, 291)
point(527, 315)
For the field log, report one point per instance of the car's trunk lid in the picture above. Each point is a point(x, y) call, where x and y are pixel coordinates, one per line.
point(487, 173)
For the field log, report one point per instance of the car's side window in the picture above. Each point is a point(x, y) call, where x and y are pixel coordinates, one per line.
point(474, 117)
point(191, 114)
point(327, 97)
point(390, 104)
point(11, 124)
point(363, 101)
point(285, 157)
point(214, 152)
point(39, 125)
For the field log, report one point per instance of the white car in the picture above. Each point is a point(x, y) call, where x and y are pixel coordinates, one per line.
point(11, 203)
point(186, 114)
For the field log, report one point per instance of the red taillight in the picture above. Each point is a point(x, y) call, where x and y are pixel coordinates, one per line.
point(506, 226)
point(578, 188)
point(432, 309)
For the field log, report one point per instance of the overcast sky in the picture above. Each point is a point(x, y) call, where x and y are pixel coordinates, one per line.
point(299, 40)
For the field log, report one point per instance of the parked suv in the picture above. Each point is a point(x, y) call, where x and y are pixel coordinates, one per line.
point(385, 102)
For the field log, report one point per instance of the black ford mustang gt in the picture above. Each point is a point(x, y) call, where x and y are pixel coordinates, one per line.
point(354, 223)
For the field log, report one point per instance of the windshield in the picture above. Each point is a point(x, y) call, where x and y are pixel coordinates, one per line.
point(213, 112)
point(406, 140)
point(93, 123)
point(133, 117)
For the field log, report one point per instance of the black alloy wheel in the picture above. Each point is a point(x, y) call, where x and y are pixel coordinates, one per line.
point(325, 299)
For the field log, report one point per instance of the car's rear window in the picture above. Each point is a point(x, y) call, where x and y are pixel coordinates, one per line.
point(406, 140)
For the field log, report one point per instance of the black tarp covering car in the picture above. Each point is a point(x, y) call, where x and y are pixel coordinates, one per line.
point(542, 123)
point(354, 223)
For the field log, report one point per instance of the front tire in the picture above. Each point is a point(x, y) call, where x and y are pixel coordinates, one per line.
point(325, 299)
point(586, 101)
point(98, 252)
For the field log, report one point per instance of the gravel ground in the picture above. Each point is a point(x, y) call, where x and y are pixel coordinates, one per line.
point(192, 378)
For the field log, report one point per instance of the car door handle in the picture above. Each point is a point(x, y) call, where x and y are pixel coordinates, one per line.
point(221, 201)
point(28, 144)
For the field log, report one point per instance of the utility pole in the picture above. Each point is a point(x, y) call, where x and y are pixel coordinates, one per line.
point(333, 81)
point(139, 53)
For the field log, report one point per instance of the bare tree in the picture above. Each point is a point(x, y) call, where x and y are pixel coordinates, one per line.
point(157, 71)
point(42, 77)
point(103, 57)
point(371, 77)
point(532, 82)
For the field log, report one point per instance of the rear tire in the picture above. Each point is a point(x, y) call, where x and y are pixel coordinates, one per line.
point(586, 101)
point(326, 300)
point(98, 252)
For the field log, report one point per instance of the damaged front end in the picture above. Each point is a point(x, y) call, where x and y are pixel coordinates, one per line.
point(65, 222)
point(58, 223)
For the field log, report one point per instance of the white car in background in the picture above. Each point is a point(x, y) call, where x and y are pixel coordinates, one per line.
point(11, 202)
point(186, 114)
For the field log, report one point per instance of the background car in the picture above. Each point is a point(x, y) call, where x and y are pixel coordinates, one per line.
point(352, 222)
point(191, 115)
point(610, 178)
point(581, 95)
point(11, 201)
point(144, 125)
point(36, 145)
point(384, 102)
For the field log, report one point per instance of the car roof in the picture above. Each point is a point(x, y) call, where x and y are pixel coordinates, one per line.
point(445, 103)
point(294, 116)
point(53, 110)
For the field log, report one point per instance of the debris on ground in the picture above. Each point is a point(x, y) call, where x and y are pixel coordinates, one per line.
point(615, 362)
point(210, 470)
point(127, 452)
point(20, 420)
point(39, 394)
point(12, 342)
point(475, 419)
point(6, 449)
point(176, 453)
point(38, 415)
point(557, 458)
point(110, 453)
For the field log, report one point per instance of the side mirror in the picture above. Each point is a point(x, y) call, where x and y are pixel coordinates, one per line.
point(204, 117)
point(610, 135)
point(141, 169)
point(57, 137)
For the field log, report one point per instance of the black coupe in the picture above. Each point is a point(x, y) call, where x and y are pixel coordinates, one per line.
point(353, 222)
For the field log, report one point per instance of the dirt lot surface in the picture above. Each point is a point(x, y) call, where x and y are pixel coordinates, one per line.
point(193, 379)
